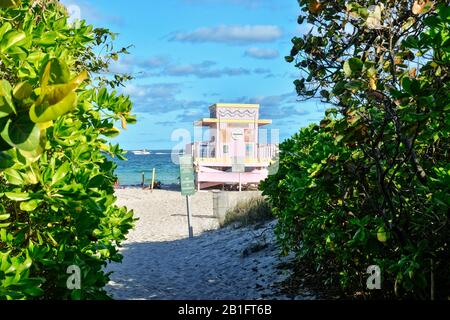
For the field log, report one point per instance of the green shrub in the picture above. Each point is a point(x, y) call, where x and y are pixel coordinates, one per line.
point(370, 185)
point(57, 203)
point(252, 211)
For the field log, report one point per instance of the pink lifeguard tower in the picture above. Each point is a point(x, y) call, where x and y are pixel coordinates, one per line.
point(233, 155)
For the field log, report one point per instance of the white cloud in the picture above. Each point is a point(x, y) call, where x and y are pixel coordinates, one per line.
point(74, 12)
point(160, 98)
point(261, 53)
point(246, 3)
point(152, 91)
point(158, 66)
point(276, 106)
point(83, 9)
point(203, 70)
point(236, 34)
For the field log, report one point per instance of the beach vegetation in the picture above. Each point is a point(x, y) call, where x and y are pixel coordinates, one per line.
point(370, 184)
point(249, 212)
point(58, 106)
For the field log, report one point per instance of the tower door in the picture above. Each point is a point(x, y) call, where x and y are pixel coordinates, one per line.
point(237, 143)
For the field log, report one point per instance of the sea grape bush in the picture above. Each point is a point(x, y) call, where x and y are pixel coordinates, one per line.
point(57, 203)
point(370, 184)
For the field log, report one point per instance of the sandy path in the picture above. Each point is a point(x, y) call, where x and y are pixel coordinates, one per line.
point(161, 263)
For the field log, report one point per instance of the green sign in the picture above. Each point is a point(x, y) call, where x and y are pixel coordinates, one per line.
point(187, 176)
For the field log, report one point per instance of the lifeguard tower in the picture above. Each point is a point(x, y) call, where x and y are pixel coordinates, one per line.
point(233, 155)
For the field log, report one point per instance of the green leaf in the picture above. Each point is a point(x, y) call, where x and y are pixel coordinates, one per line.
point(48, 38)
point(111, 132)
point(55, 71)
point(61, 172)
point(382, 235)
point(6, 26)
point(411, 86)
point(406, 84)
point(22, 91)
point(339, 88)
point(4, 146)
point(45, 113)
point(289, 59)
point(13, 177)
point(22, 133)
point(354, 85)
point(443, 11)
point(4, 217)
point(29, 206)
point(36, 153)
point(9, 3)
point(131, 119)
point(15, 196)
point(353, 66)
point(325, 94)
point(56, 100)
point(6, 161)
point(34, 291)
point(6, 104)
point(12, 38)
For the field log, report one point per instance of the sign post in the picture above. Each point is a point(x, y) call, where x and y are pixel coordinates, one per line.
point(187, 186)
point(238, 167)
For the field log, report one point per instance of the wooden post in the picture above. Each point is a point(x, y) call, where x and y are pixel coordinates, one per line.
point(143, 180)
point(189, 217)
point(240, 184)
point(153, 178)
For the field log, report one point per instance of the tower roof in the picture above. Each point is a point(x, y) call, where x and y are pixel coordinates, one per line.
point(234, 105)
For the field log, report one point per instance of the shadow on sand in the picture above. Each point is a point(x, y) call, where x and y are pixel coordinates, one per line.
point(214, 265)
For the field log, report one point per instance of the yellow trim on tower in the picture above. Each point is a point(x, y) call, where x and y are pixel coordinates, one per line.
point(215, 120)
point(234, 105)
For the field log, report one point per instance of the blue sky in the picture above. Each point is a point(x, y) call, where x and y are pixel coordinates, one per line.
point(189, 54)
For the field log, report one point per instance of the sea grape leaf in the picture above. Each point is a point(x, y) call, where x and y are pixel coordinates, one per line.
point(16, 196)
point(45, 113)
point(48, 38)
point(36, 153)
point(13, 177)
point(54, 72)
point(22, 91)
point(5, 28)
point(9, 3)
point(6, 104)
point(111, 132)
point(12, 38)
point(61, 172)
point(6, 161)
point(22, 133)
point(56, 100)
point(382, 235)
point(30, 205)
point(353, 66)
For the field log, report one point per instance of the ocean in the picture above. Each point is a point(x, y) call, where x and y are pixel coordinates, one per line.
point(130, 171)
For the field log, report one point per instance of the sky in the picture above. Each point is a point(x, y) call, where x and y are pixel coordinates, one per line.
point(190, 54)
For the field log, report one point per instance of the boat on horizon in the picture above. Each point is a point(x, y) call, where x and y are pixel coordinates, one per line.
point(140, 152)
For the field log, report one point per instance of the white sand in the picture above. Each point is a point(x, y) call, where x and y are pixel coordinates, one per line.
point(160, 262)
